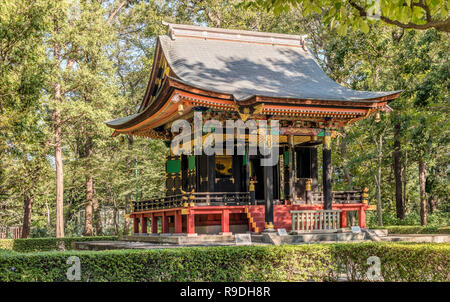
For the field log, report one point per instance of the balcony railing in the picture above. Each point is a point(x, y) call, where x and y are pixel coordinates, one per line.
point(198, 198)
point(315, 220)
point(341, 197)
point(234, 198)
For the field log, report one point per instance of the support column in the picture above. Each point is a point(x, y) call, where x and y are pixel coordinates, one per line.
point(343, 219)
point(191, 224)
point(154, 224)
point(135, 225)
point(247, 168)
point(268, 196)
point(211, 159)
point(326, 157)
point(143, 224)
point(165, 224)
point(291, 169)
point(225, 221)
point(362, 217)
point(178, 223)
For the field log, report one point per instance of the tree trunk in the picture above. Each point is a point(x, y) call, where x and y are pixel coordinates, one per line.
point(49, 222)
point(27, 206)
point(431, 204)
point(423, 197)
point(115, 213)
point(405, 180)
point(57, 123)
point(397, 155)
point(126, 225)
point(379, 145)
point(59, 173)
point(88, 229)
point(351, 215)
point(97, 214)
point(348, 177)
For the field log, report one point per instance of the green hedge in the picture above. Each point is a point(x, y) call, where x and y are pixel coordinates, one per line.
point(416, 229)
point(46, 244)
point(318, 262)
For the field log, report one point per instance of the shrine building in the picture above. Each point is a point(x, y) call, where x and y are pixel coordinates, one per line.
point(249, 76)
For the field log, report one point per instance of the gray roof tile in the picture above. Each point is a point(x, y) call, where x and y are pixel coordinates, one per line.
point(248, 69)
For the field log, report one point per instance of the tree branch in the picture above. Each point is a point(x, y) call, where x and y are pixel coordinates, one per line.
point(442, 25)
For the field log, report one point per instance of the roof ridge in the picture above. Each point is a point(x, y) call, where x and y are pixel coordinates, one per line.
point(195, 31)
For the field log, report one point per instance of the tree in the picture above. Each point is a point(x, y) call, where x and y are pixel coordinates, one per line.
point(407, 14)
point(22, 143)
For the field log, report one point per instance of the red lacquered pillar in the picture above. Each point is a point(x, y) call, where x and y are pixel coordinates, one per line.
point(178, 223)
point(225, 221)
point(135, 225)
point(362, 217)
point(343, 219)
point(154, 224)
point(165, 224)
point(190, 224)
point(143, 224)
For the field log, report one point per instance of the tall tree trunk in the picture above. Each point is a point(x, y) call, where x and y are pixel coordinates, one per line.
point(97, 214)
point(397, 155)
point(348, 177)
point(49, 222)
point(405, 181)
point(423, 197)
point(126, 226)
point(27, 206)
point(88, 229)
point(59, 170)
point(379, 146)
point(351, 215)
point(115, 213)
point(57, 123)
point(431, 204)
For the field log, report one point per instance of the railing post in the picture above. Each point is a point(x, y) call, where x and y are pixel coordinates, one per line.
point(293, 215)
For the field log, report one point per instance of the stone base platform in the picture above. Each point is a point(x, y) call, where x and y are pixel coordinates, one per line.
point(419, 238)
point(170, 241)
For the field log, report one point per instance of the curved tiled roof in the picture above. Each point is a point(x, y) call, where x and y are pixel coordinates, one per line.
point(230, 62)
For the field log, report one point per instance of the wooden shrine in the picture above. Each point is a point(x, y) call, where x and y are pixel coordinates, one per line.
point(242, 75)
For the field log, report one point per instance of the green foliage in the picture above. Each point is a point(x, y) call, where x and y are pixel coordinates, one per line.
point(318, 262)
point(46, 244)
point(345, 15)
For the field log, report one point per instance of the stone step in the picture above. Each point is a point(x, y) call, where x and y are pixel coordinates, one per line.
point(179, 239)
point(436, 238)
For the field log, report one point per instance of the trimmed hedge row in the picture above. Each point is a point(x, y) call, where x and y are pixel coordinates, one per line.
point(46, 244)
point(413, 229)
point(317, 262)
